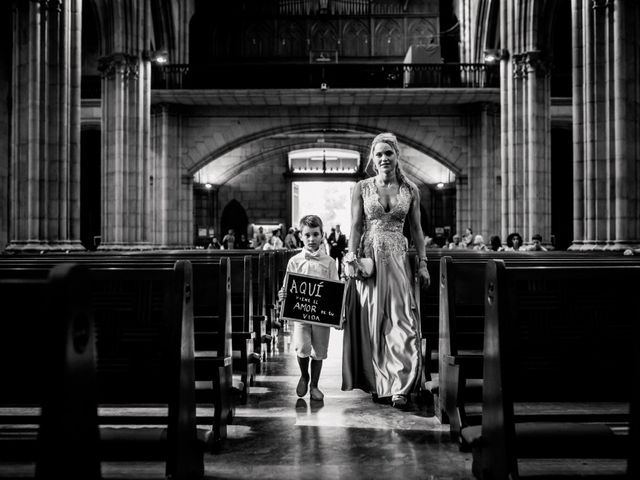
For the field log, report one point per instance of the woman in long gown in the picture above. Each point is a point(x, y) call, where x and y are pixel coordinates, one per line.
point(384, 302)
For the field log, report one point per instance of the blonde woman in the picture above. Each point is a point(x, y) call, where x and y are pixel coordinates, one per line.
point(387, 308)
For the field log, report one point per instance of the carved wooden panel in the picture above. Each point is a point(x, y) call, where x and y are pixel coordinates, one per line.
point(323, 36)
point(355, 39)
point(389, 41)
point(292, 39)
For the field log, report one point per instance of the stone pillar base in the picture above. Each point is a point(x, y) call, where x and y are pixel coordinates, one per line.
point(44, 246)
point(609, 247)
point(126, 246)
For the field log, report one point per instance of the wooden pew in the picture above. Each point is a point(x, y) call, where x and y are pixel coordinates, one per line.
point(146, 361)
point(47, 373)
point(278, 268)
point(245, 326)
point(246, 265)
point(212, 319)
point(462, 327)
point(430, 298)
point(242, 323)
point(558, 361)
point(213, 365)
point(461, 336)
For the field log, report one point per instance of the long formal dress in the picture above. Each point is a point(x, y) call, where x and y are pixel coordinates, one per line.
point(386, 306)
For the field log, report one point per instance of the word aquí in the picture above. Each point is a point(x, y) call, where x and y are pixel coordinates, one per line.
point(309, 289)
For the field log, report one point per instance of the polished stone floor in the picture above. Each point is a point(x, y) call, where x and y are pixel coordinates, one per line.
point(347, 436)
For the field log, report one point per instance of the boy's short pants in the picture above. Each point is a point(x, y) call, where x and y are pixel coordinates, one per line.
point(310, 340)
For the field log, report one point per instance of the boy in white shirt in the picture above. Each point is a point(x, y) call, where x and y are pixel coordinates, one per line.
point(308, 340)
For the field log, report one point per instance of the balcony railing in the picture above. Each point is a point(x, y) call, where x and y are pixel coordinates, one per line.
point(333, 75)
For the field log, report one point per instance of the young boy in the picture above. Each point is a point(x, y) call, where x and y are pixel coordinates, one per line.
point(311, 341)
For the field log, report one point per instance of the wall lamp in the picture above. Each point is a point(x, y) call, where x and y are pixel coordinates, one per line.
point(159, 56)
point(494, 55)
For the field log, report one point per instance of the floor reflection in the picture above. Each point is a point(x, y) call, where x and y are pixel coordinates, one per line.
point(346, 436)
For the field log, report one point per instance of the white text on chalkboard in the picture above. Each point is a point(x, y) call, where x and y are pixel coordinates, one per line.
point(311, 289)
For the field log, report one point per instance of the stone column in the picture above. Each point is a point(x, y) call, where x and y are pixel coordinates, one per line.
point(626, 141)
point(171, 187)
point(45, 116)
point(526, 129)
point(606, 133)
point(478, 188)
point(126, 173)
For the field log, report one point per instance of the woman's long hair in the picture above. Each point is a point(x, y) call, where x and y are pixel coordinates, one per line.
point(391, 140)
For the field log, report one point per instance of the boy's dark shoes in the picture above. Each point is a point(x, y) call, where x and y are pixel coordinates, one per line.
point(303, 385)
point(316, 394)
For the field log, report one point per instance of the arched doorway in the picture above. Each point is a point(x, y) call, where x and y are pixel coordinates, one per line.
point(234, 217)
point(90, 188)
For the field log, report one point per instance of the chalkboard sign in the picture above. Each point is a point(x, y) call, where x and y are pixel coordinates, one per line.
point(312, 299)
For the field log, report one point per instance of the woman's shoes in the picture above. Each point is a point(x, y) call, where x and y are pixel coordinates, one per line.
point(399, 401)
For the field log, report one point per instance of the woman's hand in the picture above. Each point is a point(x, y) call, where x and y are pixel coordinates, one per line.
point(349, 258)
point(425, 278)
point(281, 295)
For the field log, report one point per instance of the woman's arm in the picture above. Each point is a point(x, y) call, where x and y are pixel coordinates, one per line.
point(415, 224)
point(418, 238)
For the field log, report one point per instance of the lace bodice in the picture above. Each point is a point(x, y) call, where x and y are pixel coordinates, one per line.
point(383, 230)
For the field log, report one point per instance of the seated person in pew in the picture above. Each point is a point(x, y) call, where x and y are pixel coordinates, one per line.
point(536, 244)
point(311, 341)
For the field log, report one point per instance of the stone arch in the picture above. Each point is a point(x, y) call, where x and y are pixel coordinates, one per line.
point(266, 156)
point(163, 36)
point(94, 11)
point(234, 216)
point(316, 126)
point(92, 42)
point(491, 34)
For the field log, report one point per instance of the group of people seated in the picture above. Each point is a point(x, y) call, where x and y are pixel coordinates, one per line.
point(229, 241)
point(334, 244)
point(470, 241)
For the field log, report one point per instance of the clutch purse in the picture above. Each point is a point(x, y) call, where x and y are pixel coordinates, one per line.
point(367, 266)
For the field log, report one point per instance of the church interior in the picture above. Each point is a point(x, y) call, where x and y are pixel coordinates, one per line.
point(137, 131)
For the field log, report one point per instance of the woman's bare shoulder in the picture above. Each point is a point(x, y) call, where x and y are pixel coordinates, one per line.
point(357, 189)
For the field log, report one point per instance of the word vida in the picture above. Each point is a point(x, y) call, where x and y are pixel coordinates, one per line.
point(310, 289)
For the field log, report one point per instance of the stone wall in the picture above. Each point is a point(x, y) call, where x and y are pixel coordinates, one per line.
point(262, 191)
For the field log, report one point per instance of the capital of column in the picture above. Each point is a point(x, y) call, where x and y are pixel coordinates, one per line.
point(533, 61)
point(119, 63)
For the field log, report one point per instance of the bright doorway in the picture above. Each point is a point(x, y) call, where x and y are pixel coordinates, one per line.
point(331, 201)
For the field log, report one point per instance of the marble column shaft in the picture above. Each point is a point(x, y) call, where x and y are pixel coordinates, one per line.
point(606, 132)
point(126, 176)
point(172, 187)
point(45, 154)
point(525, 109)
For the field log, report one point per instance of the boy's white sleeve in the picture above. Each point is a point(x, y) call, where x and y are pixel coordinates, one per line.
point(333, 271)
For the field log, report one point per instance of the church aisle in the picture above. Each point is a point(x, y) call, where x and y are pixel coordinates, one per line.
point(280, 436)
